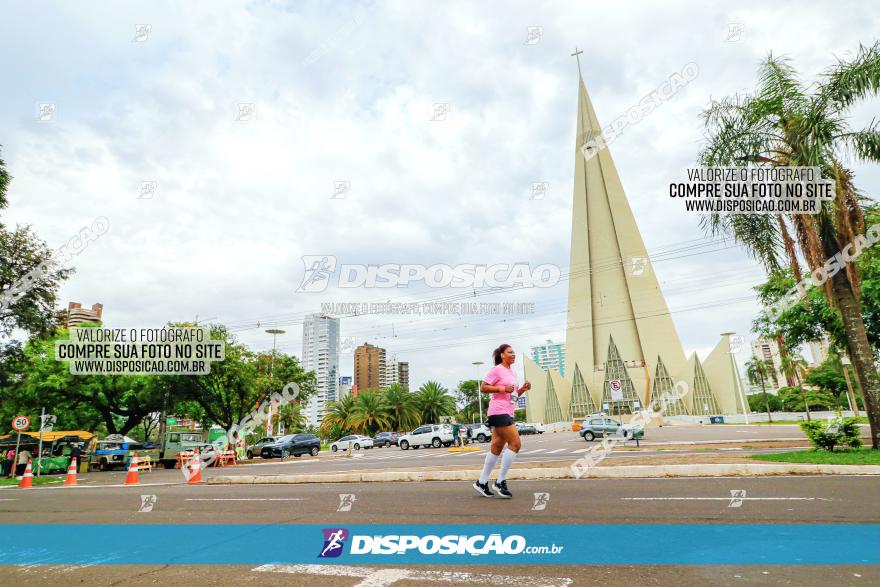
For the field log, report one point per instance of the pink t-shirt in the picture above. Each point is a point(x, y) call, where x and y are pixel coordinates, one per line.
point(500, 403)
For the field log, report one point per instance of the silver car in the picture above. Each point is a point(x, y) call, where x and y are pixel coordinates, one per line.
point(257, 447)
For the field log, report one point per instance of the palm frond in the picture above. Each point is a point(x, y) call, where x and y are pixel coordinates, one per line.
point(850, 81)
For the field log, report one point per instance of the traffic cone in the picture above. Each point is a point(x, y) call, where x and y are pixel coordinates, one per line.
point(132, 477)
point(27, 479)
point(195, 469)
point(70, 480)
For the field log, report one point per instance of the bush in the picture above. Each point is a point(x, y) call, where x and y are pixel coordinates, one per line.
point(837, 432)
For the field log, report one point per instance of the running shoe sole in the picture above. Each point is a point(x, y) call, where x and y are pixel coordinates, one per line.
point(480, 490)
point(498, 492)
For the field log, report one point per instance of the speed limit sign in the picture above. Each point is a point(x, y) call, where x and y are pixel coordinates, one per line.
point(20, 423)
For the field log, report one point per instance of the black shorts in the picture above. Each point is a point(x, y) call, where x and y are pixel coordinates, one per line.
point(499, 421)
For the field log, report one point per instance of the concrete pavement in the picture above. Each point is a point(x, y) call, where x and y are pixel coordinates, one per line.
point(779, 500)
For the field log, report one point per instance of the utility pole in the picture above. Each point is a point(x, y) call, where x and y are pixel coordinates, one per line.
point(274, 332)
point(479, 392)
point(741, 394)
point(40, 449)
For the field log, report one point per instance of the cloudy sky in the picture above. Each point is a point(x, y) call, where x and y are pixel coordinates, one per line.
point(348, 92)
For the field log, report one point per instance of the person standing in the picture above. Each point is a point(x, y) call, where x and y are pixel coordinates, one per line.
point(501, 382)
point(24, 456)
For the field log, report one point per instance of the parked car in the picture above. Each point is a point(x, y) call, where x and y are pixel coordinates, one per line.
point(257, 448)
point(292, 444)
point(386, 438)
point(352, 441)
point(524, 428)
point(593, 428)
point(539, 427)
point(480, 432)
point(435, 435)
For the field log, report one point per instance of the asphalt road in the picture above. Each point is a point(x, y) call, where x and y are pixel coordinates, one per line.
point(782, 500)
point(548, 447)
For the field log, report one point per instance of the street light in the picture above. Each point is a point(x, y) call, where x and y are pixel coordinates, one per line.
point(479, 393)
point(274, 332)
point(736, 377)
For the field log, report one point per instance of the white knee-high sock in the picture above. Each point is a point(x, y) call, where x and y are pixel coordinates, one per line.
point(488, 465)
point(507, 458)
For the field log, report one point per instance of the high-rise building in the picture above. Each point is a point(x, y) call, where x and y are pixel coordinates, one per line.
point(767, 349)
point(622, 351)
point(321, 355)
point(77, 315)
point(344, 386)
point(392, 375)
point(403, 374)
point(550, 356)
point(369, 367)
point(819, 350)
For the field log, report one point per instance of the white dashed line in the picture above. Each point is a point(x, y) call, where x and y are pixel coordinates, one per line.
point(373, 577)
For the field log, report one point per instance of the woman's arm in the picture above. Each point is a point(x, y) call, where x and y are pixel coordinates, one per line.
point(486, 388)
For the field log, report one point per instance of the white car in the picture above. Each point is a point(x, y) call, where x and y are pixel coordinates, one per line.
point(480, 433)
point(428, 435)
point(539, 427)
point(352, 441)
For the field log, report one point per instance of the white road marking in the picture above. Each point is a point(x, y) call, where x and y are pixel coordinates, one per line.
point(245, 499)
point(373, 577)
point(556, 451)
point(529, 452)
point(580, 450)
point(726, 498)
point(11, 499)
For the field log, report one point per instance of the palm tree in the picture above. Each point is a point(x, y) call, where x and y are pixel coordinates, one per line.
point(433, 402)
point(402, 409)
point(369, 414)
point(785, 124)
point(757, 371)
point(793, 366)
point(291, 416)
point(337, 419)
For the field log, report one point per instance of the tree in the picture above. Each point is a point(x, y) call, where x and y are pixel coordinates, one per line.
point(757, 370)
point(434, 402)
point(29, 278)
point(785, 124)
point(237, 385)
point(466, 395)
point(370, 413)
point(291, 417)
point(794, 365)
point(768, 401)
point(402, 409)
point(337, 420)
point(119, 402)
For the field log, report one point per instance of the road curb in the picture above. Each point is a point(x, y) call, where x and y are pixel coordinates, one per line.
point(707, 470)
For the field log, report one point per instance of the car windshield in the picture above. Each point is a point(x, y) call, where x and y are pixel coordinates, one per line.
point(287, 438)
point(190, 438)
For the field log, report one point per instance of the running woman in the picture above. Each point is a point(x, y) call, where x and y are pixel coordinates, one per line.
point(501, 382)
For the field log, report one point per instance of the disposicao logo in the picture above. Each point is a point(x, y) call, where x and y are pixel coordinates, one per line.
point(334, 541)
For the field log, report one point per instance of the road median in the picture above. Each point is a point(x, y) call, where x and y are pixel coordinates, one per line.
point(699, 470)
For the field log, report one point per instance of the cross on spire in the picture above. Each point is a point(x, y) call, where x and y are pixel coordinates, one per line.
point(576, 55)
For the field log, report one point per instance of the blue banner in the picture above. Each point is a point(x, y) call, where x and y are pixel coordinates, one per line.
point(595, 544)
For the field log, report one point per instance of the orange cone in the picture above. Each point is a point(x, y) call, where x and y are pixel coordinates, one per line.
point(70, 480)
point(27, 480)
point(132, 477)
point(195, 469)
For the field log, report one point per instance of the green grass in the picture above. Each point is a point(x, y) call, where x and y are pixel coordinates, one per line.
point(37, 481)
point(852, 456)
point(861, 420)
